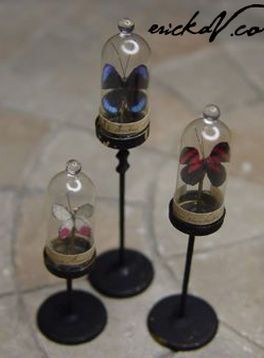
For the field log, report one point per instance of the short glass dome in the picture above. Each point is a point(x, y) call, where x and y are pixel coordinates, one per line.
point(125, 79)
point(203, 168)
point(70, 210)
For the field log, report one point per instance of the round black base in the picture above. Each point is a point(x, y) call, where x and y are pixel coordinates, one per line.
point(191, 229)
point(120, 142)
point(196, 329)
point(81, 323)
point(113, 280)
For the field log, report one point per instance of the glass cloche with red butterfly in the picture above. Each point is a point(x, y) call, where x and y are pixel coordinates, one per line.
point(202, 173)
point(71, 316)
point(185, 322)
point(124, 110)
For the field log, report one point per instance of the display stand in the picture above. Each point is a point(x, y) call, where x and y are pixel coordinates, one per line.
point(121, 272)
point(184, 322)
point(71, 316)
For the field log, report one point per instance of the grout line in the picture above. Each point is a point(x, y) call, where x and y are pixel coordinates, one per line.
point(52, 121)
point(24, 291)
point(150, 228)
point(241, 335)
point(132, 203)
point(7, 294)
point(192, 108)
point(220, 247)
point(242, 72)
point(35, 37)
point(156, 151)
point(21, 307)
point(168, 354)
point(228, 56)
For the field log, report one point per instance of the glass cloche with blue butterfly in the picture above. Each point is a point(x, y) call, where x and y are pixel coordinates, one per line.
point(123, 123)
point(124, 110)
point(202, 171)
point(70, 316)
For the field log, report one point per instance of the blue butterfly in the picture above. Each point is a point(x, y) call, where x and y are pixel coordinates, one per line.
point(125, 93)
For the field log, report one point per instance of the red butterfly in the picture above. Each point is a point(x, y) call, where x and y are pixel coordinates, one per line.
point(196, 168)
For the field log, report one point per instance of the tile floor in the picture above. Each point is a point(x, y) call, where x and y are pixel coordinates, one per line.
point(49, 95)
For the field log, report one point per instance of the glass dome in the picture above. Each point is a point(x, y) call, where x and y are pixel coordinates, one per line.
point(70, 207)
point(203, 167)
point(125, 78)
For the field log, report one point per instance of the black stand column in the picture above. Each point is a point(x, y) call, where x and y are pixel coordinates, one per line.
point(71, 317)
point(183, 322)
point(122, 167)
point(122, 272)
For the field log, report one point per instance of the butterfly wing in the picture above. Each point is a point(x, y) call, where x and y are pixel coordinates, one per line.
point(85, 210)
point(83, 227)
point(221, 152)
point(138, 78)
point(110, 77)
point(194, 170)
point(112, 101)
point(215, 170)
point(136, 101)
point(81, 222)
point(60, 212)
point(65, 229)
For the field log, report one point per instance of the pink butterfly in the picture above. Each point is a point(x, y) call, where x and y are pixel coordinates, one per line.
point(78, 220)
point(195, 168)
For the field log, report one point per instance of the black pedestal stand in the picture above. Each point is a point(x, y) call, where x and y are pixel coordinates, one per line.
point(121, 272)
point(184, 322)
point(71, 316)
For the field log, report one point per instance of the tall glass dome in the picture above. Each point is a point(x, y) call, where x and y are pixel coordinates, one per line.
point(203, 168)
point(70, 244)
point(125, 79)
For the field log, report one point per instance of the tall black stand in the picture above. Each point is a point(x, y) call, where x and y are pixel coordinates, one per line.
point(184, 322)
point(122, 167)
point(186, 276)
point(122, 272)
point(71, 316)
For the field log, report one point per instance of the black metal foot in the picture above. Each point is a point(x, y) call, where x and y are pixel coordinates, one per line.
point(71, 323)
point(197, 328)
point(115, 280)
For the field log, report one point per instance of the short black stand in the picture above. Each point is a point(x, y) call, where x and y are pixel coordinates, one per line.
point(122, 272)
point(71, 317)
point(184, 322)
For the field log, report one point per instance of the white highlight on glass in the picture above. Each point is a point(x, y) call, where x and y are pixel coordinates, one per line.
point(76, 187)
point(130, 47)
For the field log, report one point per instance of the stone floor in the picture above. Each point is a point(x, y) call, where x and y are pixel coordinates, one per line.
point(49, 95)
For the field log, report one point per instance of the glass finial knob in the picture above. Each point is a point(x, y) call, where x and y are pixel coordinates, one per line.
point(211, 111)
point(126, 25)
point(73, 167)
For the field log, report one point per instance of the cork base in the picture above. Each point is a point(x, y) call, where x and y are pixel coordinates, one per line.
point(116, 141)
point(68, 271)
point(192, 229)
